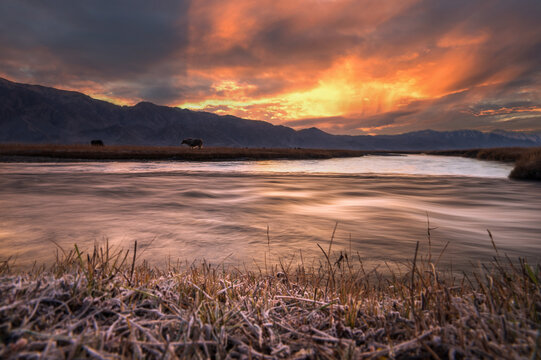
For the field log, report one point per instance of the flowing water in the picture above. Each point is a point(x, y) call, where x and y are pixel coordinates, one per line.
point(249, 212)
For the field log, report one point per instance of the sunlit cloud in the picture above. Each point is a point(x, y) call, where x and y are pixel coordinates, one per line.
point(345, 66)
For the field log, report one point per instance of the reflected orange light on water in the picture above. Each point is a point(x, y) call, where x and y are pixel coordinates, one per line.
point(191, 211)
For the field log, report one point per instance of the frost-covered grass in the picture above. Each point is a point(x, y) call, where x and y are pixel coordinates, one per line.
point(107, 304)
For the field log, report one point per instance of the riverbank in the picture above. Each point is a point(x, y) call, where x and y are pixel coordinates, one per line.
point(527, 160)
point(108, 304)
point(35, 152)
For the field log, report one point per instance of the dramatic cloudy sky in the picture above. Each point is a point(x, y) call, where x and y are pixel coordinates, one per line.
point(345, 66)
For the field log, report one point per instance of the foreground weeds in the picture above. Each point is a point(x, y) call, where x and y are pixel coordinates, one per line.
point(103, 304)
point(528, 166)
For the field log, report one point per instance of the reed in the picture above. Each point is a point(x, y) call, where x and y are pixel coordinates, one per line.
point(528, 166)
point(104, 303)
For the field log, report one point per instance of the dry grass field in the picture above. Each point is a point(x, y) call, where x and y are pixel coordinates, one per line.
point(106, 304)
point(88, 152)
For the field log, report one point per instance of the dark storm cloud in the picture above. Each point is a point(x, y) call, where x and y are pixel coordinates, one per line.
point(92, 40)
point(296, 35)
point(163, 92)
point(457, 58)
point(512, 30)
point(284, 41)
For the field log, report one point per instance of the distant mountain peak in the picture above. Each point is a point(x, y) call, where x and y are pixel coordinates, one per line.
point(39, 114)
point(145, 104)
point(313, 130)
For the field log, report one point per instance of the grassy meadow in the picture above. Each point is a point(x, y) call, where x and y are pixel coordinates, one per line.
point(107, 303)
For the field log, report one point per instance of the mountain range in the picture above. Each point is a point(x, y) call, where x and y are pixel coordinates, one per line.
point(39, 114)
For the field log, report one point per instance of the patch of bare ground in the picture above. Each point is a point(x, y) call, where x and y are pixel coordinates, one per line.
point(105, 304)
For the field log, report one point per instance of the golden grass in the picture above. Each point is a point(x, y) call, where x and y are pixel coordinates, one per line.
point(104, 304)
point(117, 152)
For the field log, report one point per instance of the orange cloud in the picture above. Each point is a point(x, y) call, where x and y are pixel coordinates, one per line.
point(360, 77)
point(347, 66)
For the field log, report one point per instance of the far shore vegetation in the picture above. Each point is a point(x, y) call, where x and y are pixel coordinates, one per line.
point(107, 303)
point(124, 152)
point(527, 160)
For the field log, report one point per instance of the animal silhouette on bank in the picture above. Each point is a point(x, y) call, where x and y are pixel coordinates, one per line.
point(193, 143)
point(96, 143)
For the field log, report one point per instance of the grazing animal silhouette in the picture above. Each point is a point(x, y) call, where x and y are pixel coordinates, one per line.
point(193, 143)
point(96, 143)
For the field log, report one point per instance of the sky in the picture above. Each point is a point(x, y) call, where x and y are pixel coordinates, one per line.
point(344, 66)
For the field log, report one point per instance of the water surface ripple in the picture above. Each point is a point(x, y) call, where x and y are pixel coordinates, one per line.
point(220, 211)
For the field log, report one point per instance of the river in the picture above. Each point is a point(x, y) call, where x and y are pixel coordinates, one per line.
point(252, 212)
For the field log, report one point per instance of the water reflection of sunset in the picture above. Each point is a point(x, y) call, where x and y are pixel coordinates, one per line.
point(222, 215)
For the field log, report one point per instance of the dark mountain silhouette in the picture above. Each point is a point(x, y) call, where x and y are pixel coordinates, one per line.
point(38, 114)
